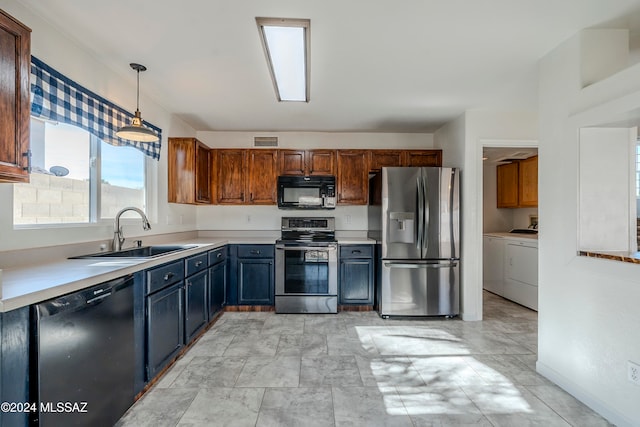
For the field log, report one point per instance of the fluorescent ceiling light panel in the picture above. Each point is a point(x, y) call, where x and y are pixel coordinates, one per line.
point(286, 45)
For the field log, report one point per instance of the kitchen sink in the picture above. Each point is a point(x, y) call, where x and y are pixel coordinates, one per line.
point(141, 252)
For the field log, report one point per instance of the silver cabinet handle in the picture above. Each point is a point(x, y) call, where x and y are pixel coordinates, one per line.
point(420, 265)
point(306, 248)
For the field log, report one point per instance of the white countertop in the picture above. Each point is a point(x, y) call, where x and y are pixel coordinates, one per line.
point(36, 283)
point(512, 236)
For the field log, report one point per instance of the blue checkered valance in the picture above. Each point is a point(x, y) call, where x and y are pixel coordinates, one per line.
point(57, 98)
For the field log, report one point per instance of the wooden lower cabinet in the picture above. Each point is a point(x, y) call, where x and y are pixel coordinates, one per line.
point(353, 177)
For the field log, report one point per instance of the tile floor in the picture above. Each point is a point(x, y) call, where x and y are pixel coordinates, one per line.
point(356, 369)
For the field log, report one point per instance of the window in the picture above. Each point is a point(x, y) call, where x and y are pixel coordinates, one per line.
point(77, 178)
point(81, 171)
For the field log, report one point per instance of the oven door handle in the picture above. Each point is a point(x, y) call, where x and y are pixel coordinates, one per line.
point(306, 248)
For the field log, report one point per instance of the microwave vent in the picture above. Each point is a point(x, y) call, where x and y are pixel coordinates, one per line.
point(265, 141)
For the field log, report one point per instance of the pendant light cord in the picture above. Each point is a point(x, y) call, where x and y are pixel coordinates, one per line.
point(138, 91)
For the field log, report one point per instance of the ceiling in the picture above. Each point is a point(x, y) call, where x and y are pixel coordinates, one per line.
point(507, 154)
point(376, 66)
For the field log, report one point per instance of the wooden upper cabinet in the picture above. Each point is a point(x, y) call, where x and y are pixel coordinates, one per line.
point(422, 158)
point(353, 177)
point(263, 170)
point(307, 162)
point(231, 176)
point(382, 158)
point(321, 162)
point(507, 183)
point(189, 171)
point(528, 182)
point(15, 57)
point(292, 162)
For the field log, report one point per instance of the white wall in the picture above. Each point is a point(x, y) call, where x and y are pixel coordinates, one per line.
point(268, 217)
point(462, 141)
point(588, 308)
point(66, 56)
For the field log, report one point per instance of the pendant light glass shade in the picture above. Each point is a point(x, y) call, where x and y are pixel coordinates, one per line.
point(136, 131)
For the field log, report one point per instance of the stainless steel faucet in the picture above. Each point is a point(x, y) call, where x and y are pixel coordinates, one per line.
point(118, 238)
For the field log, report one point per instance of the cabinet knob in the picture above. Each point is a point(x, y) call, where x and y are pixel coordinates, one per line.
point(198, 264)
point(168, 276)
point(219, 255)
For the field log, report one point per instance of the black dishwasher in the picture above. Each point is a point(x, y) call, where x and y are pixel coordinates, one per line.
point(85, 355)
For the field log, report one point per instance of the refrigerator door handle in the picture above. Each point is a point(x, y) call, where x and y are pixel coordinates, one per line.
point(420, 265)
point(425, 197)
point(420, 208)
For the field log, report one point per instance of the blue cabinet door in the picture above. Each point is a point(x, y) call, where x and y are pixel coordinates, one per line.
point(356, 278)
point(255, 281)
point(217, 287)
point(251, 275)
point(195, 292)
point(14, 364)
point(165, 327)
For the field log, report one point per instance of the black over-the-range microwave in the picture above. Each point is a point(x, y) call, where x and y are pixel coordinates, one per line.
point(307, 192)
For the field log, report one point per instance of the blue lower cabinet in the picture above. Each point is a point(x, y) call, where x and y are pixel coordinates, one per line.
point(255, 281)
point(217, 288)
point(356, 275)
point(14, 364)
point(165, 327)
point(252, 275)
point(195, 295)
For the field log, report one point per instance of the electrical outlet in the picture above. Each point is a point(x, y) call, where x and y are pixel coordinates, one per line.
point(248, 219)
point(633, 373)
point(347, 219)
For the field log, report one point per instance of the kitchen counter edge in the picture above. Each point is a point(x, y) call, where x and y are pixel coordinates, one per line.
point(36, 283)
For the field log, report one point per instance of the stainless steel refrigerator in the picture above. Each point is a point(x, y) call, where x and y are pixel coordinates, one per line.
point(414, 214)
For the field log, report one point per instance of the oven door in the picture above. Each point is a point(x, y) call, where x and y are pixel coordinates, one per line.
point(306, 270)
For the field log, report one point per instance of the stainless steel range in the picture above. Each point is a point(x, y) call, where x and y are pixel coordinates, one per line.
point(307, 266)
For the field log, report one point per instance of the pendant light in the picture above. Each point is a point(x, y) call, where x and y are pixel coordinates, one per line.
point(135, 131)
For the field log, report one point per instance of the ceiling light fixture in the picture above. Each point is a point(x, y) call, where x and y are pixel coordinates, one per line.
point(136, 131)
point(286, 45)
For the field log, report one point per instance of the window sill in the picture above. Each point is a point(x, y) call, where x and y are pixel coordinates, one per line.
point(631, 257)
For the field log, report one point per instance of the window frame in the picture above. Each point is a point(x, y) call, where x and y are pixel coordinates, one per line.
point(95, 190)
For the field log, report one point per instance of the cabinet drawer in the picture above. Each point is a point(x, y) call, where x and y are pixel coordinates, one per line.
point(356, 251)
point(255, 251)
point(196, 263)
point(218, 255)
point(164, 275)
